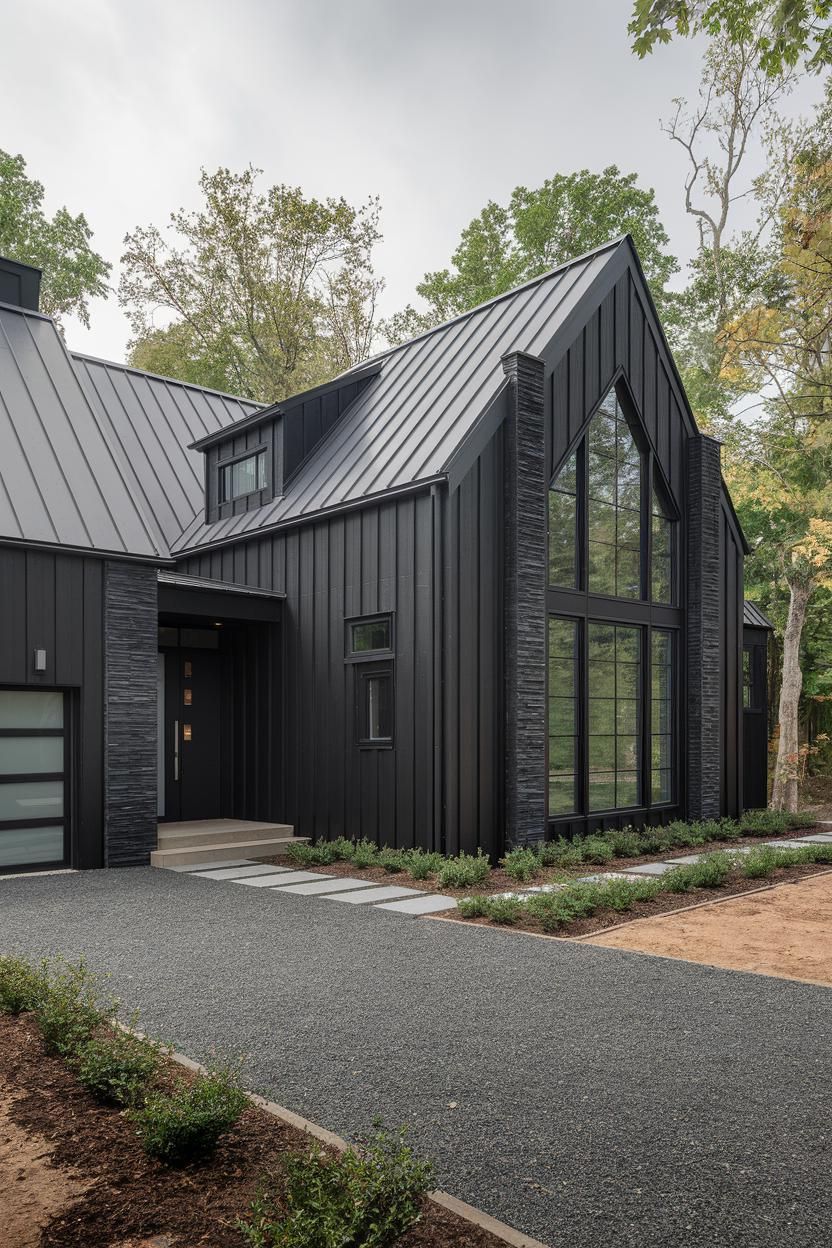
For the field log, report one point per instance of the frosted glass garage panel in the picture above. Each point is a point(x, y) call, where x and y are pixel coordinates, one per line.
point(32, 799)
point(22, 755)
point(22, 847)
point(22, 708)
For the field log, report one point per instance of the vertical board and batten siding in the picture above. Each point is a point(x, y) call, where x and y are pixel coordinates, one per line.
point(731, 625)
point(55, 602)
point(309, 421)
point(364, 562)
point(473, 657)
point(617, 336)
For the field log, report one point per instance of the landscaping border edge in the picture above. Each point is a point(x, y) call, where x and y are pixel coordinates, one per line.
point(477, 1217)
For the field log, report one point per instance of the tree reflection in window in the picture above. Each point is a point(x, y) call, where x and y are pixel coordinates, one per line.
point(614, 491)
point(661, 572)
point(563, 715)
point(614, 673)
point(563, 509)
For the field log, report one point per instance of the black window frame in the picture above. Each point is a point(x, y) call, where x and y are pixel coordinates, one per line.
point(253, 452)
point(366, 673)
point(64, 775)
point(586, 607)
point(369, 656)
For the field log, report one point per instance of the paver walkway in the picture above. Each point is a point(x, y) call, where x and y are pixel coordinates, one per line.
point(589, 1096)
point(357, 892)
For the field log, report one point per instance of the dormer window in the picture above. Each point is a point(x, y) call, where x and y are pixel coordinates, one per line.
point(242, 476)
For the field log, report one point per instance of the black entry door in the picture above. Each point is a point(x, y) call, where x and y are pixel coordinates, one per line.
point(192, 734)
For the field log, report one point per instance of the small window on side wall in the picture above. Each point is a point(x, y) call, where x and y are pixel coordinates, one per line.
point(370, 636)
point(242, 477)
point(374, 710)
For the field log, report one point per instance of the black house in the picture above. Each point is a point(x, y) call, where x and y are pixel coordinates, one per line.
point(484, 589)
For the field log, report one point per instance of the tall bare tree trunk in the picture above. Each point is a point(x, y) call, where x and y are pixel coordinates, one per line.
point(784, 791)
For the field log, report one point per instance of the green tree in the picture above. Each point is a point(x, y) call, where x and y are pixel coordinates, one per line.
point(72, 272)
point(780, 33)
point(538, 229)
point(261, 293)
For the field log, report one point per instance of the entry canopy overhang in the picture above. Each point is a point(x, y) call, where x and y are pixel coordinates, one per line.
point(201, 595)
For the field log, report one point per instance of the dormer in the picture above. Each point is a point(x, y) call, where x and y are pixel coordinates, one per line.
point(251, 462)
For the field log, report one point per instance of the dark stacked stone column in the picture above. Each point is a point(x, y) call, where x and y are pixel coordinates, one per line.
point(704, 679)
point(525, 603)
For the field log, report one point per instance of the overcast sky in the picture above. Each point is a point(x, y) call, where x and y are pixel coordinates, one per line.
point(436, 106)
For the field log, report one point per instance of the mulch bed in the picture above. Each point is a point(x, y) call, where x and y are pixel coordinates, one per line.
point(664, 903)
point(500, 881)
point(133, 1197)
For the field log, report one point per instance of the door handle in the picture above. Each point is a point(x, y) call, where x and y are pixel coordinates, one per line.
point(176, 749)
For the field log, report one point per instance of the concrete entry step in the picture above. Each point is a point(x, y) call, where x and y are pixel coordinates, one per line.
point(198, 855)
point(218, 832)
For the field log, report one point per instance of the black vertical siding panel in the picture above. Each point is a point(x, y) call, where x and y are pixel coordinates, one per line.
point(369, 561)
point(307, 794)
point(291, 668)
point(318, 744)
point(427, 592)
point(674, 468)
point(312, 426)
point(607, 361)
point(339, 741)
point(592, 353)
point(576, 387)
point(352, 607)
point(90, 743)
point(637, 330)
point(490, 615)
point(69, 597)
point(451, 729)
point(387, 760)
point(40, 612)
point(469, 676)
point(649, 401)
point(622, 322)
point(406, 660)
point(560, 413)
point(13, 654)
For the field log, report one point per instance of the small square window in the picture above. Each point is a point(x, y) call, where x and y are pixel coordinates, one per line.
point(371, 636)
point(375, 706)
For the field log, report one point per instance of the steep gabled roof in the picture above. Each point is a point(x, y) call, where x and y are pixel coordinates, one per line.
point(408, 425)
point(150, 423)
point(61, 484)
point(753, 617)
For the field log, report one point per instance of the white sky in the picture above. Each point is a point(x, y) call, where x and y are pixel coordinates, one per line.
point(434, 106)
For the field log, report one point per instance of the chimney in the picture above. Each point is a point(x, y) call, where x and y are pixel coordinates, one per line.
point(19, 284)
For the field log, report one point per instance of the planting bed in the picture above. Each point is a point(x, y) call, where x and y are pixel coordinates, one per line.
point(500, 881)
point(783, 931)
point(663, 903)
point(72, 1171)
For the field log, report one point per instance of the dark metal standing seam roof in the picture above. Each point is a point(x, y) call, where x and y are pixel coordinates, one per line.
point(150, 422)
point(407, 425)
point(753, 617)
point(60, 482)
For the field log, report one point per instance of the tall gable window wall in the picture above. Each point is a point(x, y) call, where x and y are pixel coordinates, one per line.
point(613, 619)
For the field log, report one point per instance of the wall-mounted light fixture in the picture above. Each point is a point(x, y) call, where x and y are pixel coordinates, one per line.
point(40, 660)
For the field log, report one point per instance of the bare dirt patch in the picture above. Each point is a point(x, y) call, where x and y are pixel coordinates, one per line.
point(72, 1172)
point(785, 931)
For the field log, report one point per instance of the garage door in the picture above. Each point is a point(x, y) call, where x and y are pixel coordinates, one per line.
point(32, 778)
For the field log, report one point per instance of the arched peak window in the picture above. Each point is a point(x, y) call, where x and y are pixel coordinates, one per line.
point(607, 518)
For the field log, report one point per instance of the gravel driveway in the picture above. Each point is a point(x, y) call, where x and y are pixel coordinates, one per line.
point(587, 1096)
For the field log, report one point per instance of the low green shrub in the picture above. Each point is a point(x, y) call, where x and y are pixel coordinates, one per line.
point(625, 842)
point(186, 1123)
point(475, 907)
point(764, 822)
point(364, 854)
point(68, 1009)
point(303, 855)
point(596, 849)
point(366, 1197)
point(801, 820)
point(21, 985)
point(622, 894)
point(463, 871)
point(710, 872)
point(521, 864)
point(504, 910)
point(116, 1066)
point(393, 860)
point(421, 863)
point(560, 853)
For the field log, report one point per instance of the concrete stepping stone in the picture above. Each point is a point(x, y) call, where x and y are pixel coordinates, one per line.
point(280, 876)
point(689, 860)
point(241, 873)
point(520, 893)
point(652, 868)
point(330, 884)
point(602, 876)
point(384, 892)
point(821, 837)
point(197, 867)
point(787, 844)
point(430, 903)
